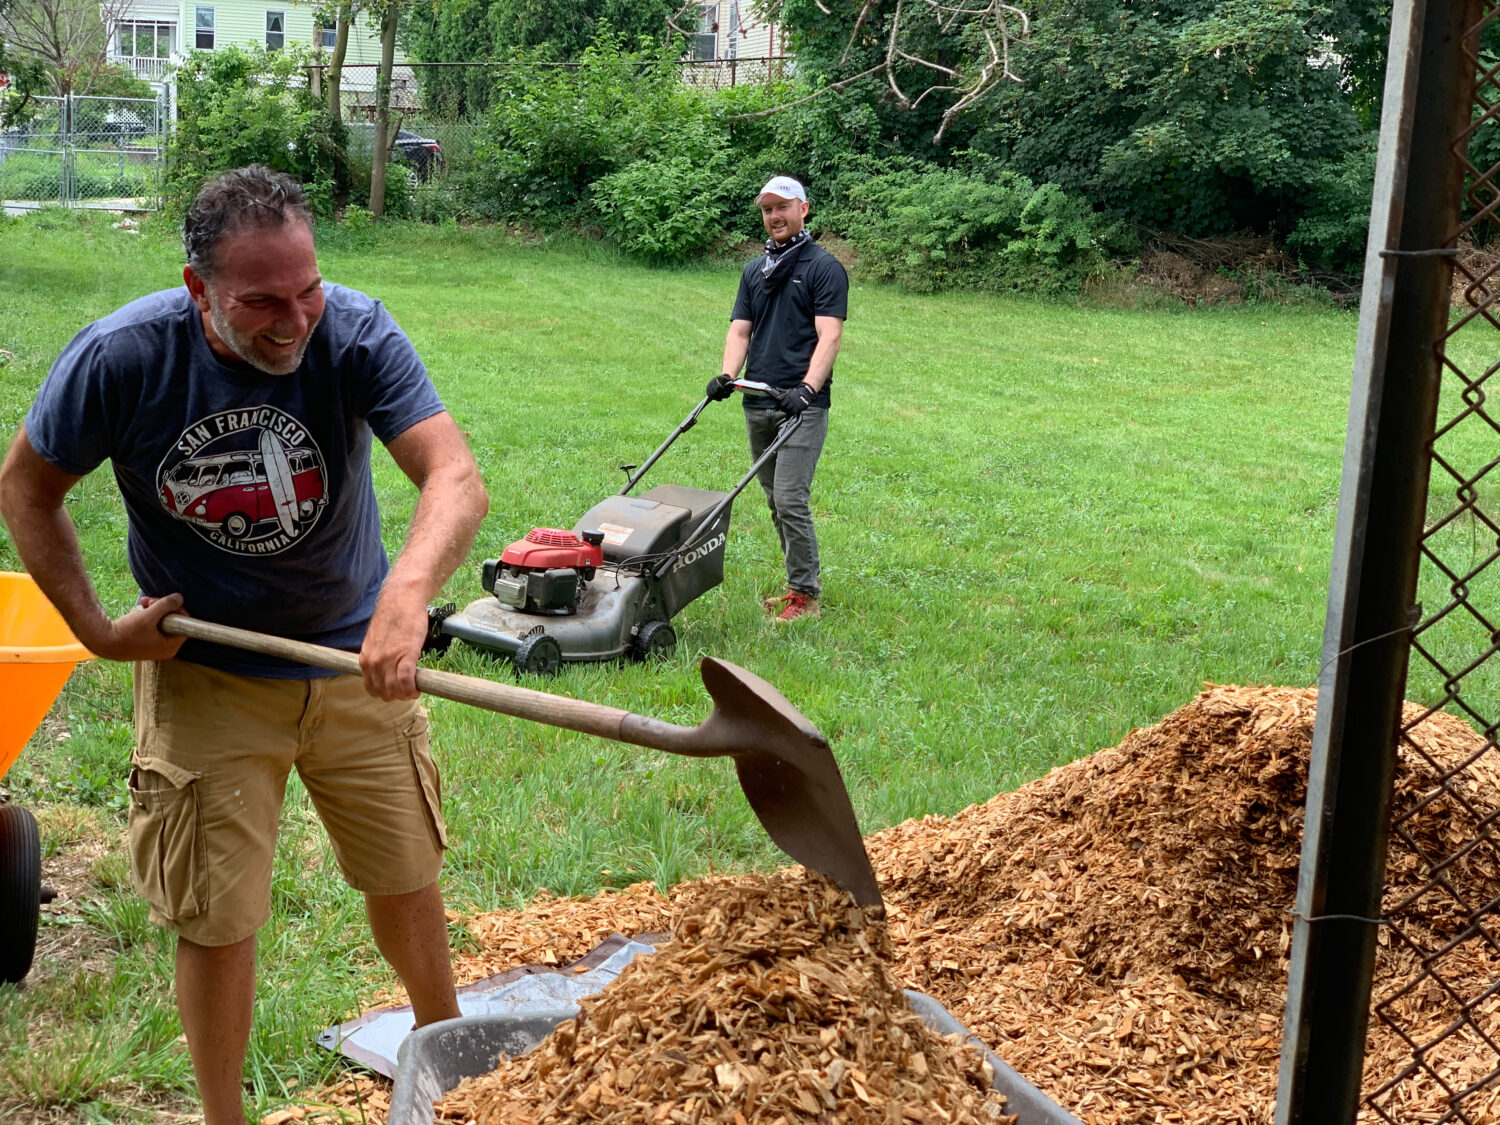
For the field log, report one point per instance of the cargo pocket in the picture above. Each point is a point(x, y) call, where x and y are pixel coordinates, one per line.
point(167, 851)
point(428, 783)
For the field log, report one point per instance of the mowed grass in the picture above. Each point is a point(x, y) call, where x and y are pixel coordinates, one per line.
point(1041, 525)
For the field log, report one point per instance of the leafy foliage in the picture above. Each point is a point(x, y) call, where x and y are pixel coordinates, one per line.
point(37, 176)
point(663, 210)
point(1192, 115)
point(981, 228)
point(120, 82)
point(553, 131)
point(821, 143)
point(1335, 222)
point(474, 30)
point(244, 105)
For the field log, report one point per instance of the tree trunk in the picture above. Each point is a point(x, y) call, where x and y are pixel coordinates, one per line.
point(315, 72)
point(383, 108)
point(336, 63)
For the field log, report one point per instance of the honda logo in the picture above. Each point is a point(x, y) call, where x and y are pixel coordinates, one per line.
point(700, 551)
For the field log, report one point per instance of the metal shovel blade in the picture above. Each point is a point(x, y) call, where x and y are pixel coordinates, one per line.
point(785, 768)
point(790, 778)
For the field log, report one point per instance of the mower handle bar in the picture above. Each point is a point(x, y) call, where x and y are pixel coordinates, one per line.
point(747, 386)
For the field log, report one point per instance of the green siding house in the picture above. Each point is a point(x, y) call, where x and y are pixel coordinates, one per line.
point(153, 36)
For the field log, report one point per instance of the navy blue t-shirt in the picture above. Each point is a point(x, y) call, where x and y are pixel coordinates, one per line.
point(783, 328)
point(249, 494)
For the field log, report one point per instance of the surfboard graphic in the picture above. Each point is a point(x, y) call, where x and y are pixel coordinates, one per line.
point(279, 478)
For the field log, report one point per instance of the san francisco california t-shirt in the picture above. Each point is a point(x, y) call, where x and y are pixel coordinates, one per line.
point(249, 494)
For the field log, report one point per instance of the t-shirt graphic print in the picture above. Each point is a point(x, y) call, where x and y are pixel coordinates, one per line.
point(248, 481)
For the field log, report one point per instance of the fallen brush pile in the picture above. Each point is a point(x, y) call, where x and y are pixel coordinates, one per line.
point(1118, 930)
point(769, 1004)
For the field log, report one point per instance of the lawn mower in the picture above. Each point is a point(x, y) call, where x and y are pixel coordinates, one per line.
point(610, 587)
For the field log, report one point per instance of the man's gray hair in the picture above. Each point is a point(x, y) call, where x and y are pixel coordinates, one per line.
point(245, 199)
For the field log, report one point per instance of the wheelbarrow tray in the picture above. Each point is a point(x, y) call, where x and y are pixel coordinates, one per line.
point(37, 654)
point(436, 1058)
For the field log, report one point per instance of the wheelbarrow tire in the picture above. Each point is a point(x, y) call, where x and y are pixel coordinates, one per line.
point(20, 891)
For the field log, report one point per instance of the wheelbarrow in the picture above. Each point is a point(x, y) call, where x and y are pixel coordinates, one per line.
point(37, 654)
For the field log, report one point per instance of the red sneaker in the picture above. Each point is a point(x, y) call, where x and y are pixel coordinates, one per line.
point(798, 605)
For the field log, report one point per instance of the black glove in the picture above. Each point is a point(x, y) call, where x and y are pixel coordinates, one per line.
point(720, 387)
point(798, 399)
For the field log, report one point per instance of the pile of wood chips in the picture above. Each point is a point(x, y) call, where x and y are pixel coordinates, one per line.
point(770, 1004)
point(1118, 930)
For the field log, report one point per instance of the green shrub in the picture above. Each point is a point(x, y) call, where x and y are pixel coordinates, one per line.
point(979, 228)
point(1335, 222)
point(244, 105)
point(829, 144)
point(39, 176)
point(552, 132)
point(25, 176)
point(662, 210)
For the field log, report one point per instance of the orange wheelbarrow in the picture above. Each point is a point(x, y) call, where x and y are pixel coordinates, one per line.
point(37, 654)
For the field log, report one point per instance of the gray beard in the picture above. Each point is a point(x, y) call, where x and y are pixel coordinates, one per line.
point(242, 346)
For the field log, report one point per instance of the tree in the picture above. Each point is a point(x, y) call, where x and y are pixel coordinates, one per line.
point(924, 62)
point(24, 77)
point(1202, 116)
point(340, 18)
point(390, 16)
point(67, 39)
point(478, 30)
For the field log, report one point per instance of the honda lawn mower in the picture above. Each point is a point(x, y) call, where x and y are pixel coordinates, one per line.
point(611, 586)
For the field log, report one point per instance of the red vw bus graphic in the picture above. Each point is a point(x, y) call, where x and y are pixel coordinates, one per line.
point(256, 500)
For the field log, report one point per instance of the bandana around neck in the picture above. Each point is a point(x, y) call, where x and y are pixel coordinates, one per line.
point(781, 257)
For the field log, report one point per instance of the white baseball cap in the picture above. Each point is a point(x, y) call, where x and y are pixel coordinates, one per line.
point(785, 187)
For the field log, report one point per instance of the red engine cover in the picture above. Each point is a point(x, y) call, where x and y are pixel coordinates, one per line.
point(548, 548)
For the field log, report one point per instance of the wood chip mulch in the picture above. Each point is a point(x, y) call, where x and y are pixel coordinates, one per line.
point(1118, 930)
point(770, 1004)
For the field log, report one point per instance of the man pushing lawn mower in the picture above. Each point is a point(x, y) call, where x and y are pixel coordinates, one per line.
point(785, 329)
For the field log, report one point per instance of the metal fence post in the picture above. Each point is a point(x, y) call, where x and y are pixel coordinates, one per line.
point(1372, 589)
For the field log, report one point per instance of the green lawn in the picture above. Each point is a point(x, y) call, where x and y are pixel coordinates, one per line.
point(1041, 525)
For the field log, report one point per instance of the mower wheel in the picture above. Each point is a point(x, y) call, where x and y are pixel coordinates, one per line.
point(20, 891)
point(538, 655)
point(654, 640)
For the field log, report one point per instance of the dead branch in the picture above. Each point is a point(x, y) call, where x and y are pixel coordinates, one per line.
point(996, 24)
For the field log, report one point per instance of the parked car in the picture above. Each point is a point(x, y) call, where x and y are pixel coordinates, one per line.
point(422, 155)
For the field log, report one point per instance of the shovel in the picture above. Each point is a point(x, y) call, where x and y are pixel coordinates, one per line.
point(785, 768)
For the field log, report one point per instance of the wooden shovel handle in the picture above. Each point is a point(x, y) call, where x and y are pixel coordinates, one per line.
point(522, 703)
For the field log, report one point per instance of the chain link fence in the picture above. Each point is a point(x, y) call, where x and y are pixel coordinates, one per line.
point(1441, 995)
point(85, 151)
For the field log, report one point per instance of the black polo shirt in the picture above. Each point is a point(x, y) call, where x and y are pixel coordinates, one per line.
point(783, 334)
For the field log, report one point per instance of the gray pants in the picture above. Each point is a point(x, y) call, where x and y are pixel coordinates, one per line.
point(787, 479)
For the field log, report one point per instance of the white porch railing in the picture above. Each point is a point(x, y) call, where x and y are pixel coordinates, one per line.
point(150, 70)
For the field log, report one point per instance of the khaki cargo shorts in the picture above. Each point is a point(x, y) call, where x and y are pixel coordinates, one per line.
point(209, 771)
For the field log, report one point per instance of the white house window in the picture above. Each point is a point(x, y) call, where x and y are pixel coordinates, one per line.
point(203, 29)
point(329, 36)
point(275, 31)
point(706, 42)
point(138, 40)
point(734, 29)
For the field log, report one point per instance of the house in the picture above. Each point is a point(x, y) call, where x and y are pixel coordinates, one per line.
point(729, 30)
point(153, 36)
